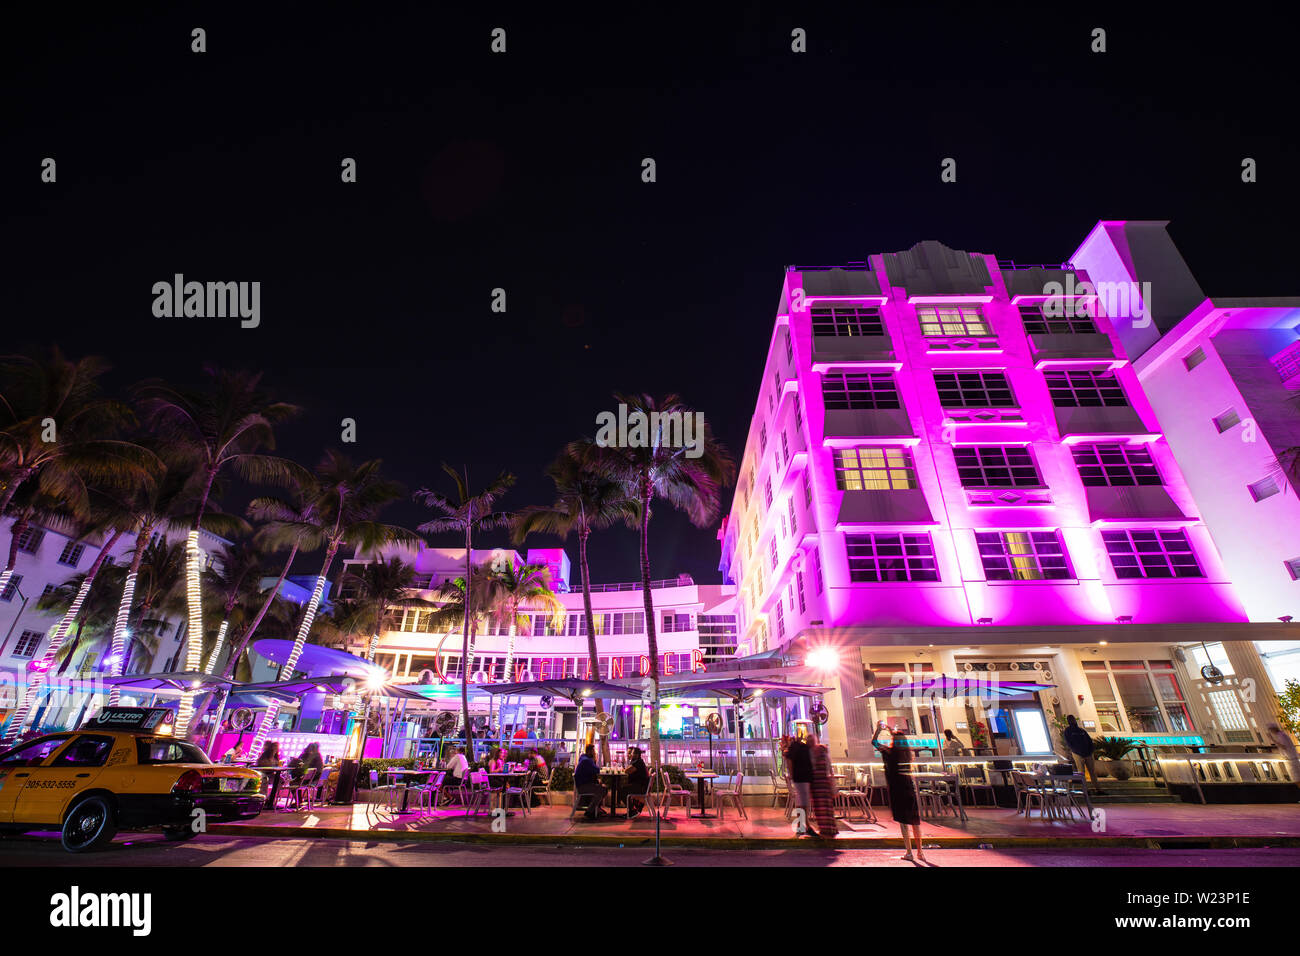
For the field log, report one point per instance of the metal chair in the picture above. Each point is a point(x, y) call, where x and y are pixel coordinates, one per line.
point(685, 794)
point(780, 789)
point(976, 781)
point(853, 797)
point(733, 794)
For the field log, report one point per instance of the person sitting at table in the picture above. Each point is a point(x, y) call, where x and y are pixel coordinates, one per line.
point(902, 795)
point(586, 781)
point(537, 762)
point(270, 755)
point(496, 761)
point(638, 780)
point(952, 746)
point(309, 760)
point(457, 767)
point(235, 754)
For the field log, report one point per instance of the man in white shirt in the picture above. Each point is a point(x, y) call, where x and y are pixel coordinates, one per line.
point(457, 765)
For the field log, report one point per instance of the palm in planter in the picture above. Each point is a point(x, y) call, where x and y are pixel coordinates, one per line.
point(1114, 749)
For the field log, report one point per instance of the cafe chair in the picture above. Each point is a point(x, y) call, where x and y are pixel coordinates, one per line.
point(684, 795)
point(939, 796)
point(854, 797)
point(581, 801)
point(780, 789)
point(1028, 793)
point(733, 794)
point(522, 793)
point(646, 798)
point(975, 780)
point(477, 794)
point(302, 791)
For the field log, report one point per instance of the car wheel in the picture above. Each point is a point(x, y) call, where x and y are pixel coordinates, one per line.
point(178, 834)
point(89, 825)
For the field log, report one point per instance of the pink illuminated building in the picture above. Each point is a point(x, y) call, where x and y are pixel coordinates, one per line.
point(953, 468)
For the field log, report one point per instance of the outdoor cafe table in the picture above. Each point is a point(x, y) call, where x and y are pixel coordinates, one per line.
point(614, 781)
point(406, 792)
point(950, 778)
point(700, 777)
point(274, 781)
point(504, 777)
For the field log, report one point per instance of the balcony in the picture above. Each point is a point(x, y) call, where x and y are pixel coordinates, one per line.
point(906, 506)
point(1070, 345)
point(1132, 502)
point(1099, 420)
point(867, 423)
point(832, 349)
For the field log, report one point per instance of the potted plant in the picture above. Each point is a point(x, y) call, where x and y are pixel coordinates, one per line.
point(979, 737)
point(1113, 750)
point(561, 785)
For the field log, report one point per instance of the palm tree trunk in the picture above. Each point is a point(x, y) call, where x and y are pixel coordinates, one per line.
point(652, 640)
point(237, 653)
point(194, 607)
point(117, 652)
point(37, 678)
point(593, 657)
point(464, 640)
point(286, 672)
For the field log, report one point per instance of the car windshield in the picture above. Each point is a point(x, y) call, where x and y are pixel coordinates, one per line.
point(166, 750)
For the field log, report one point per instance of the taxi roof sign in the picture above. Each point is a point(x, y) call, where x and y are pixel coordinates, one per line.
point(129, 718)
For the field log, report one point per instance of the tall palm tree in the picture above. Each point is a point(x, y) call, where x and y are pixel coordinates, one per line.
point(58, 428)
point(464, 515)
point(293, 518)
point(585, 500)
point(657, 469)
point(346, 501)
point(228, 424)
point(527, 587)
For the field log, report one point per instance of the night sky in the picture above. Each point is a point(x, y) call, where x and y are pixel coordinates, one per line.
point(523, 171)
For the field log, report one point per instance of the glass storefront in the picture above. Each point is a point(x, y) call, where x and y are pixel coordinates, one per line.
point(1138, 697)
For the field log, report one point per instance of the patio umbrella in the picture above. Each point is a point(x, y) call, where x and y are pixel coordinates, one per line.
point(951, 688)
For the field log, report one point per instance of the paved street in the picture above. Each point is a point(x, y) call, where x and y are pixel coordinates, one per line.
point(151, 850)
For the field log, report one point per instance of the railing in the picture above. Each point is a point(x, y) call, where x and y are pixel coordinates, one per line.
point(1010, 265)
point(683, 581)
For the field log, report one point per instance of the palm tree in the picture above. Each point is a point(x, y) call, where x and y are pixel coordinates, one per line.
point(656, 469)
point(465, 515)
point(346, 500)
point(160, 585)
point(525, 587)
point(226, 425)
point(585, 500)
point(57, 427)
point(381, 587)
point(289, 520)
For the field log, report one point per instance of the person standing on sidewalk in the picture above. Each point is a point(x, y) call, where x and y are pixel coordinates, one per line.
point(1080, 744)
point(903, 803)
point(823, 789)
point(799, 759)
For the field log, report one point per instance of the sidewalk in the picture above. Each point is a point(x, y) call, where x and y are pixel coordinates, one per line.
point(1133, 825)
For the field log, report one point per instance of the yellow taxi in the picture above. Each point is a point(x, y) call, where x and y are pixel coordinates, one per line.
point(120, 771)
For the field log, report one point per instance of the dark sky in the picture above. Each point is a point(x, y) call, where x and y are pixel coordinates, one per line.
point(522, 171)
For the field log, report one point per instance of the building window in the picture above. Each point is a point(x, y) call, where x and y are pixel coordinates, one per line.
point(1084, 388)
point(807, 492)
point(1036, 323)
point(938, 321)
point(974, 390)
point(30, 540)
point(71, 554)
point(850, 390)
point(798, 414)
point(676, 623)
point(798, 578)
point(772, 549)
point(1022, 555)
point(1151, 554)
point(1194, 358)
point(785, 446)
point(776, 382)
point(767, 491)
point(1115, 465)
point(789, 347)
point(11, 588)
point(794, 523)
point(996, 466)
point(780, 621)
point(891, 557)
point(785, 531)
point(817, 568)
point(762, 438)
point(28, 641)
point(1264, 488)
point(874, 469)
point(1293, 568)
point(843, 320)
point(1138, 697)
point(1226, 420)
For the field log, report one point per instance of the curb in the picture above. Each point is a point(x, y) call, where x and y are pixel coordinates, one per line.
point(753, 843)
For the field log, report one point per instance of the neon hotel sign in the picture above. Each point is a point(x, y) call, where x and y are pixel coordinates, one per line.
point(555, 668)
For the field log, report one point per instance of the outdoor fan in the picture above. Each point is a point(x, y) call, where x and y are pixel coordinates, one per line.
point(547, 700)
point(603, 723)
point(713, 723)
point(241, 719)
point(819, 713)
point(1211, 673)
point(426, 677)
point(445, 723)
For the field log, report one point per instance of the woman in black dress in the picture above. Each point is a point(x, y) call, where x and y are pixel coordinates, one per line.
point(902, 795)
